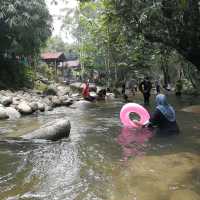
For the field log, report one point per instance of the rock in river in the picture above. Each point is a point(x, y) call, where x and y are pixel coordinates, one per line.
point(24, 108)
point(51, 131)
point(12, 113)
point(3, 113)
point(6, 101)
point(192, 109)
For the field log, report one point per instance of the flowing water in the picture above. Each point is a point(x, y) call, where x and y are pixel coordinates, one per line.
point(101, 160)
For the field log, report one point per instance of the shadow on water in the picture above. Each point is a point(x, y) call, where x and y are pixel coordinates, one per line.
point(101, 160)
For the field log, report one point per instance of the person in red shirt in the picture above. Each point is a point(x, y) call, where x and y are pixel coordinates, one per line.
point(86, 92)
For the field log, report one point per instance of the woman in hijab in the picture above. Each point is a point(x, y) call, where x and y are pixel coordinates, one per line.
point(164, 117)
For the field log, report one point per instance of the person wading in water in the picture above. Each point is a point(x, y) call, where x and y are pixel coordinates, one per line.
point(145, 87)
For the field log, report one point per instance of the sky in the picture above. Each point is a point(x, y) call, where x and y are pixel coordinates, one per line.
point(57, 13)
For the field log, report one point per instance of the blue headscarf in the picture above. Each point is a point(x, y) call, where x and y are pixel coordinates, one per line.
point(165, 108)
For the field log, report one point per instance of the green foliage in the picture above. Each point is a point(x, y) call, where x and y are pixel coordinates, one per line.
point(40, 86)
point(144, 35)
point(55, 44)
point(15, 75)
point(174, 23)
point(25, 26)
point(45, 71)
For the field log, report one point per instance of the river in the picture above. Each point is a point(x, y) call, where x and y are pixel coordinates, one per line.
point(101, 160)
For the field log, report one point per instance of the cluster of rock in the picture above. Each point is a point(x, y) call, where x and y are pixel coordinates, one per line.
point(15, 104)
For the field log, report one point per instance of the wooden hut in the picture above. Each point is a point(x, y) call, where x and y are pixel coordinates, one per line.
point(54, 59)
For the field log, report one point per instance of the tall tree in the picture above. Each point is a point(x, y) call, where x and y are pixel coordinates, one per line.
point(25, 26)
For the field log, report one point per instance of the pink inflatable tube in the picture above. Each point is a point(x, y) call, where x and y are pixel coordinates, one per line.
point(133, 108)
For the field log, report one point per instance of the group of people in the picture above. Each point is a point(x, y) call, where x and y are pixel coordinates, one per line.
point(163, 118)
point(86, 93)
point(145, 87)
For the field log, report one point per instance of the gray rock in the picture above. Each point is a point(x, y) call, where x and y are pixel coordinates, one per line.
point(67, 102)
point(12, 113)
point(24, 108)
point(3, 113)
point(6, 101)
point(64, 98)
point(41, 107)
point(48, 108)
point(56, 101)
point(51, 131)
point(34, 106)
point(16, 100)
point(51, 90)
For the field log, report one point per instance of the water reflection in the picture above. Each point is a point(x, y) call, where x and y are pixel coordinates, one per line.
point(134, 141)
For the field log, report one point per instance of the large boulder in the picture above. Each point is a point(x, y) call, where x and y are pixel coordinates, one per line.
point(12, 113)
point(51, 90)
point(63, 90)
point(51, 131)
point(3, 113)
point(24, 108)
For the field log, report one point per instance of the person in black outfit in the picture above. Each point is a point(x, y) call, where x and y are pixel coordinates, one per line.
point(157, 87)
point(163, 118)
point(124, 92)
point(145, 87)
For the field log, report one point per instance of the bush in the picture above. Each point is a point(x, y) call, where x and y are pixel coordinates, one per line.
point(46, 71)
point(15, 75)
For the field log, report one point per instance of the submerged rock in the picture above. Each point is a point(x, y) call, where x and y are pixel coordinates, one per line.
point(185, 195)
point(51, 131)
point(192, 109)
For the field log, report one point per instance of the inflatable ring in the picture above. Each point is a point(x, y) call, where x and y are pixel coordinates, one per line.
point(133, 108)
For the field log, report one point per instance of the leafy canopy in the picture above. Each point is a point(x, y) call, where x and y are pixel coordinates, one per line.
point(25, 26)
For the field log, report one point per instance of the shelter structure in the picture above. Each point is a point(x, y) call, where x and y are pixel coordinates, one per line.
point(71, 69)
point(54, 59)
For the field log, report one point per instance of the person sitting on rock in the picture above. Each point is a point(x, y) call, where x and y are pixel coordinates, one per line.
point(86, 92)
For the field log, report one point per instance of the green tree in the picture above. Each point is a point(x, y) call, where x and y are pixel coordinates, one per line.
point(25, 26)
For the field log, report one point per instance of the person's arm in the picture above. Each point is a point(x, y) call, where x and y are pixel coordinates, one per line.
point(155, 118)
point(141, 87)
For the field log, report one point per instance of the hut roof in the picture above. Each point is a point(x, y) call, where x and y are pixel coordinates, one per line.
point(53, 56)
point(72, 64)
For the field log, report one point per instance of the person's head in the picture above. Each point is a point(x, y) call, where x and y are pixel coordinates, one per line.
point(86, 82)
point(165, 108)
point(146, 78)
point(161, 100)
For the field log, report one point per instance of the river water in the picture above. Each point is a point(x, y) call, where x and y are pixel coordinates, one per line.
point(101, 160)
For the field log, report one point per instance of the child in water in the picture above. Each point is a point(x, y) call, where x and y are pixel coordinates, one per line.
point(163, 118)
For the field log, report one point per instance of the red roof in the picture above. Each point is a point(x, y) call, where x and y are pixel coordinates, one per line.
point(51, 56)
point(72, 64)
